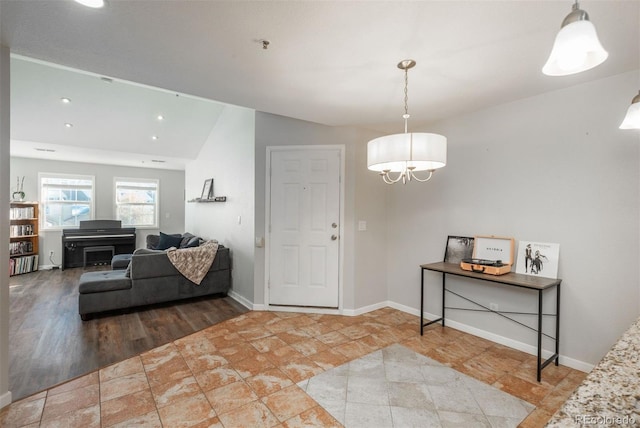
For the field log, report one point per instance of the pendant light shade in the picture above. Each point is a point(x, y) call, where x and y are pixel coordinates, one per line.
point(576, 47)
point(417, 150)
point(408, 153)
point(632, 119)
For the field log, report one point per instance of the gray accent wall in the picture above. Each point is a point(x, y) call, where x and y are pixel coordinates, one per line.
point(171, 199)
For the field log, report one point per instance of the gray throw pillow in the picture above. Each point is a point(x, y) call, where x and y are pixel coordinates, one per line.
point(168, 241)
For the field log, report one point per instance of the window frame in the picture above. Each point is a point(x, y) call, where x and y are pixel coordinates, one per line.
point(156, 205)
point(44, 203)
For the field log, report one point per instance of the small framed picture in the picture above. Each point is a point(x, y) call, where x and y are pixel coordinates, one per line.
point(538, 259)
point(207, 189)
point(458, 248)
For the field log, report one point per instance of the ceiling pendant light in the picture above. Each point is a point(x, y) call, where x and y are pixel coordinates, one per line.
point(407, 153)
point(577, 47)
point(632, 119)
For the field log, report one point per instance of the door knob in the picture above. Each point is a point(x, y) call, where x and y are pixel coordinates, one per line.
point(334, 237)
point(334, 225)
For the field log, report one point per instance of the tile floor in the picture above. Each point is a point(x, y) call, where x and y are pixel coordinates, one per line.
point(396, 387)
point(244, 372)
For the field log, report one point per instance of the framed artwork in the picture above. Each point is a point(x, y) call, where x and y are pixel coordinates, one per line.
point(207, 189)
point(458, 248)
point(538, 259)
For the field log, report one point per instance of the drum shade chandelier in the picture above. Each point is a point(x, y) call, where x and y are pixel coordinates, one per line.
point(576, 47)
point(407, 153)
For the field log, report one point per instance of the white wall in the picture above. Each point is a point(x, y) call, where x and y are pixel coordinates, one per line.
point(228, 157)
point(171, 197)
point(5, 394)
point(552, 168)
point(358, 289)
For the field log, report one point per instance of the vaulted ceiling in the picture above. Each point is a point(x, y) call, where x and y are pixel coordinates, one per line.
point(331, 62)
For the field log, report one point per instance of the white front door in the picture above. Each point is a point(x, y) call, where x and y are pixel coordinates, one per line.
point(304, 240)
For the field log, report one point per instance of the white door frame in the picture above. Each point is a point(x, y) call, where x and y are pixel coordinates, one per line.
point(267, 216)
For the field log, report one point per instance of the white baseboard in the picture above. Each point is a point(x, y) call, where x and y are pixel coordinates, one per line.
point(48, 267)
point(304, 310)
point(403, 308)
point(365, 309)
point(5, 399)
point(244, 302)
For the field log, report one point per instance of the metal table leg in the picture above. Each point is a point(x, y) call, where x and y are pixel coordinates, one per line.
point(421, 302)
point(443, 295)
point(539, 333)
point(557, 323)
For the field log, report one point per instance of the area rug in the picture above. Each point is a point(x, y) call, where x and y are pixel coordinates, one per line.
point(397, 387)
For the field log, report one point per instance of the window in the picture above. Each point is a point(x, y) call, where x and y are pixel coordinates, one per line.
point(137, 202)
point(66, 199)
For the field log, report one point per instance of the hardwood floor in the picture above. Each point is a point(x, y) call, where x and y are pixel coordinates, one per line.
point(49, 343)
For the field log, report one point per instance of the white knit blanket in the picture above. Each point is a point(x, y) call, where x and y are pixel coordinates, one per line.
point(194, 263)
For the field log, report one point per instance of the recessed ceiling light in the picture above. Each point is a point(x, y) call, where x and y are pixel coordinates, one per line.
point(65, 100)
point(96, 4)
point(68, 125)
point(154, 137)
point(160, 117)
point(106, 79)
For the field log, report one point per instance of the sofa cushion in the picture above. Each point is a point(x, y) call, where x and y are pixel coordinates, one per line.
point(120, 261)
point(97, 282)
point(154, 240)
point(168, 241)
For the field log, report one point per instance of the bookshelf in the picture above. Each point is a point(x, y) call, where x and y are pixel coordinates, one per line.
point(23, 238)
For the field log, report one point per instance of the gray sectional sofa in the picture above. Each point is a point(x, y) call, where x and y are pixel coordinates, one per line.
point(149, 278)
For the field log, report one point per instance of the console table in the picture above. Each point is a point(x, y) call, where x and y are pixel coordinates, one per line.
point(529, 282)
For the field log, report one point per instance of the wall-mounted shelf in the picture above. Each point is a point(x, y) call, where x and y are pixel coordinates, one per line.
point(215, 199)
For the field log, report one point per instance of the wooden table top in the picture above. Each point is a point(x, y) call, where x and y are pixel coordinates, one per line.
point(511, 278)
